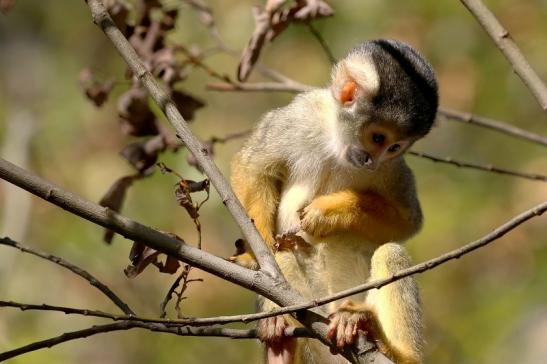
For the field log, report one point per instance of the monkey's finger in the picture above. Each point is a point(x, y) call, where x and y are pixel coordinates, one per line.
point(341, 333)
point(351, 331)
point(279, 325)
point(335, 319)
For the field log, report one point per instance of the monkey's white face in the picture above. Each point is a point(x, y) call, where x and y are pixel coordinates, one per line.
point(374, 144)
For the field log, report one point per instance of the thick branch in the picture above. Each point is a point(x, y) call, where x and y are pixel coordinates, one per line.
point(509, 48)
point(263, 255)
point(130, 229)
point(74, 269)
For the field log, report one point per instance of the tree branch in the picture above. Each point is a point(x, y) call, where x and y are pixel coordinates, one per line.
point(486, 168)
point(509, 48)
point(278, 290)
point(74, 269)
point(256, 281)
point(213, 331)
point(132, 230)
point(127, 325)
point(425, 155)
point(264, 257)
point(492, 124)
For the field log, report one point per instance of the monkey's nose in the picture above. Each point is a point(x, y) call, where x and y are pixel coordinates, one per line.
point(359, 157)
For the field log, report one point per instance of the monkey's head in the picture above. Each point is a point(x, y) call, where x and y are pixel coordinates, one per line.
point(387, 99)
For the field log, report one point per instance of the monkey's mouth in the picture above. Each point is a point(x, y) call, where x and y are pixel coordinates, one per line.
point(360, 158)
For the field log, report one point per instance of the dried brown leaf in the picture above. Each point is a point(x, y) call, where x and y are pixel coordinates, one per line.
point(135, 115)
point(142, 155)
point(95, 90)
point(272, 21)
point(114, 199)
point(149, 256)
point(187, 104)
point(184, 199)
point(119, 11)
point(165, 65)
point(142, 256)
point(6, 5)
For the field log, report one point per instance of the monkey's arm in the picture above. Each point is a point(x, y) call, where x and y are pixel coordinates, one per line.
point(368, 213)
point(389, 213)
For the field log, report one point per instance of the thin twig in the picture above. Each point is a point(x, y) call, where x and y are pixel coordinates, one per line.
point(492, 124)
point(443, 112)
point(486, 168)
point(322, 43)
point(509, 48)
point(127, 325)
point(74, 269)
point(65, 310)
point(258, 87)
point(229, 137)
point(169, 295)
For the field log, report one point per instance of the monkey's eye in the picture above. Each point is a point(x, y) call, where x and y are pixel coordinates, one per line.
point(378, 138)
point(394, 148)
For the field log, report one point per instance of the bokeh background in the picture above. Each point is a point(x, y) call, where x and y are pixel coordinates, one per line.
point(489, 307)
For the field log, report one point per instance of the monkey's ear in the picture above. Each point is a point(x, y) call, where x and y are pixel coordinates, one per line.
point(353, 78)
point(347, 93)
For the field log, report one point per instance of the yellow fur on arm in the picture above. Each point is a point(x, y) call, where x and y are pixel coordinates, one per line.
point(367, 213)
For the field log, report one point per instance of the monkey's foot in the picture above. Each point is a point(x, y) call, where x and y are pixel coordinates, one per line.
point(280, 349)
point(271, 330)
point(246, 260)
point(347, 323)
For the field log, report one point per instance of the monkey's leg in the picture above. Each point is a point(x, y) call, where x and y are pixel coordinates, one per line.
point(391, 315)
point(366, 213)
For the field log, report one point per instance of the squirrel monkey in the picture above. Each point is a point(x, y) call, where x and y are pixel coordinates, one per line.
point(329, 168)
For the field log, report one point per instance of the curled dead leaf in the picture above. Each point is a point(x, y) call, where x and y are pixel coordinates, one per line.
point(135, 115)
point(186, 104)
point(142, 155)
point(95, 90)
point(142, 256)
point(114, 198)
point(6, 5)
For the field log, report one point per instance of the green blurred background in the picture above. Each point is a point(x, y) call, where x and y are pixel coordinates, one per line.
point(489, 307)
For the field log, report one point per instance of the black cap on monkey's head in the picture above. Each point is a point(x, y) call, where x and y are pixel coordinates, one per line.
point(393, 83)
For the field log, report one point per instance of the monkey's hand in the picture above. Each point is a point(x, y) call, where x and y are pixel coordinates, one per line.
point(325, 215)
point(366, 213)
point(348, 322)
